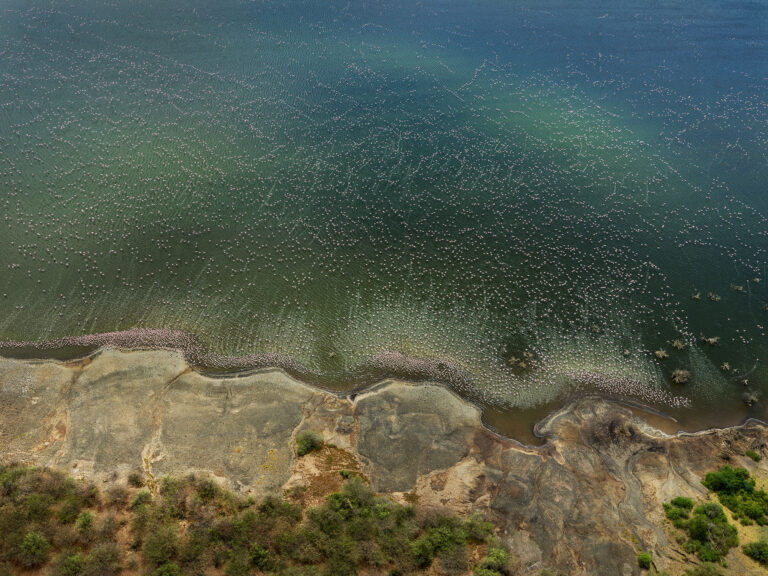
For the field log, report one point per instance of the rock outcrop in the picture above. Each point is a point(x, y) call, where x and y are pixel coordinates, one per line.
point(586, 502)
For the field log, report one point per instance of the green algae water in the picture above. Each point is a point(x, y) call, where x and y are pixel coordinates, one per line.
point(524, 200)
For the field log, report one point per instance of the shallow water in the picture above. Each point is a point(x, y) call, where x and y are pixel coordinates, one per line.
point(519, 199)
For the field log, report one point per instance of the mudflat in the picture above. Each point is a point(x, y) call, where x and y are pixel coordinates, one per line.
point(586, 501)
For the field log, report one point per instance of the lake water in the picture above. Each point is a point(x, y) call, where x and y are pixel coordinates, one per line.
point(525, 200)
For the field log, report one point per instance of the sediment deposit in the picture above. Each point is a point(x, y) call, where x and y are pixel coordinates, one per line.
point(586, 502)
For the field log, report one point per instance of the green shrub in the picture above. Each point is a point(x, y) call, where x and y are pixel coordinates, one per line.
point(305, 546)
point(37, 507)
point(222, 531)
point(356, 499)
point(644, 560)
point(341, 560)
point(677, 516)
point(84, 522)
point(173, 497)
point(736, 491)
point(219, 553)
point(752, 510)
point(33, 550)
point(104, 560)
point(207, 490)
point(108, 527)
point(710, 536)
point(681, 502)
point(478, 529)
point(729, 480)
point(168, 569)
point(454, 561)
point(369, 552)
point(301, 571)
point(117, 496)
point(139, 523)
point(758, 551)
point(194, 545)
point(353, 529)
point(715, 537)
point(236, 530)
point(9, 477)
point(678, 510)
point(69, 509)
point(754, 455)
point(423, 552)
point(707, 554)
point(706, 569)
point(495, 560)
point(479, 571)
point(160, 545)
point(89, 494)
point(238, 565)
point(63, 537)
point(141, 498)
point(307, 441)
point(136, 479)
point(274, 507)
point(71, 565)
point(712, 511)
point(723, 537)
point(441, 534)
point(171, 486)
point(260, 557)
point(13, 526)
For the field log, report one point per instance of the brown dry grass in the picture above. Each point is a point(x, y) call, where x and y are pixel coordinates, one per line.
point(320, 473)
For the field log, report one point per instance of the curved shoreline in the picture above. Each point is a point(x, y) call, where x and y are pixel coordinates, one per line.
point(117, 412)
point(384, 366)
point(388, 363)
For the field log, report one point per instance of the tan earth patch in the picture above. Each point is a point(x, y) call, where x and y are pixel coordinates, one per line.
point(318, 474)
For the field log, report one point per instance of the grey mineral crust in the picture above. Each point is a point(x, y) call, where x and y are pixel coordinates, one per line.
point(584, 503)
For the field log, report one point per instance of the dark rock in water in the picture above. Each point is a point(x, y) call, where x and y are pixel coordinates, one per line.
point(585, 502)
point(750, 398)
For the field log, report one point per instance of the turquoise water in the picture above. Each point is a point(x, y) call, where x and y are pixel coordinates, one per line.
point(519, 198)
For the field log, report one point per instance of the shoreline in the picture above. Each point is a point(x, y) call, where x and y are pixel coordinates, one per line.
point(75, 349)
point(388, 362)
point(116, 413)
